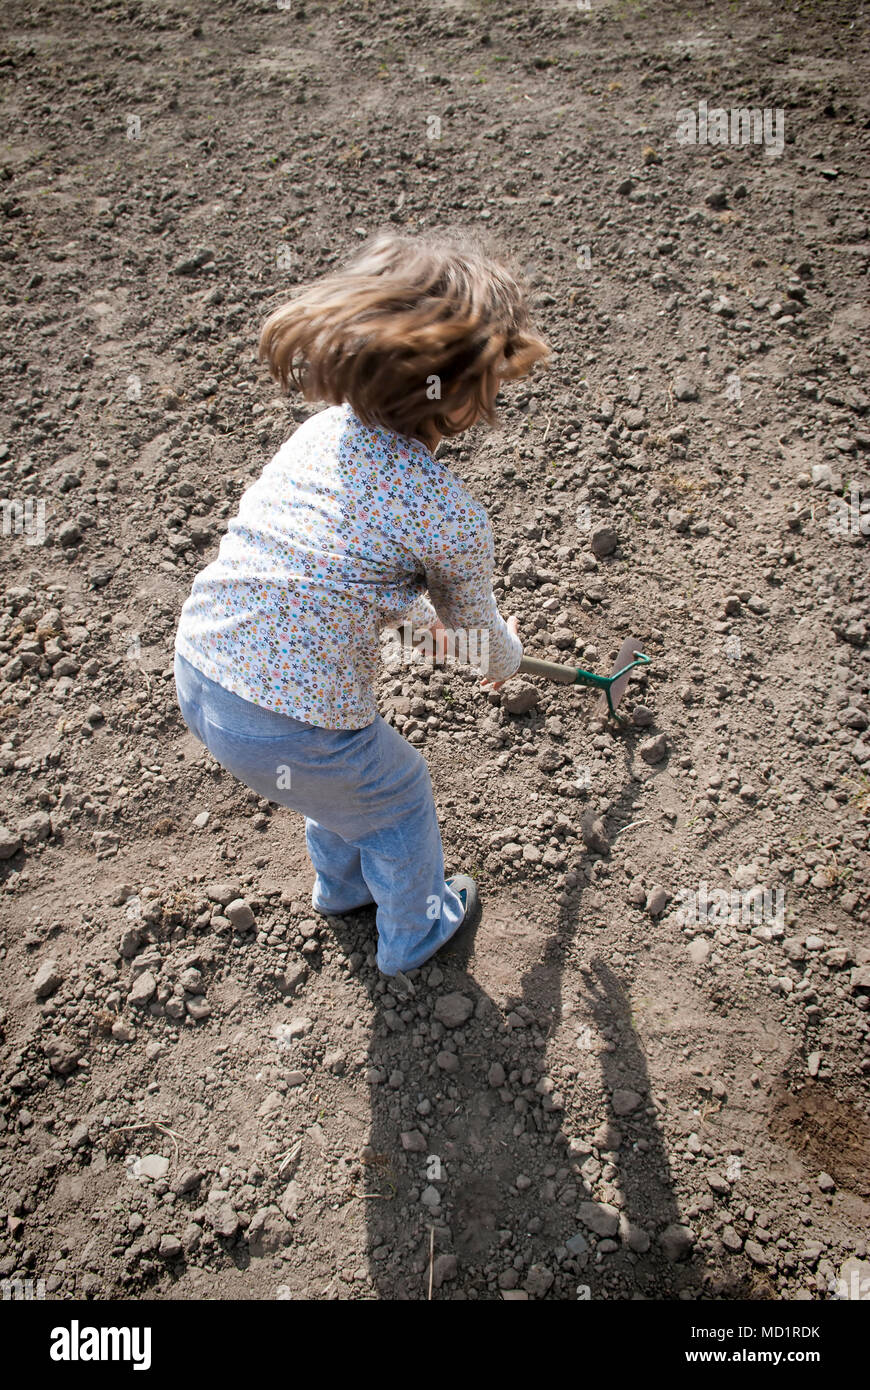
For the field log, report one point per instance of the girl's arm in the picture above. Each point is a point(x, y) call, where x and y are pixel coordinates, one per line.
point(460, 588)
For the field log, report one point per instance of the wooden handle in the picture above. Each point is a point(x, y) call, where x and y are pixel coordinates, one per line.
point(531, 666)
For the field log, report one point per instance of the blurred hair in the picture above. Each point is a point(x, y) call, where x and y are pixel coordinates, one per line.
point(412, 331)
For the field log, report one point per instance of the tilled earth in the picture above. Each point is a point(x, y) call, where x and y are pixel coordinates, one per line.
point(206, 1091)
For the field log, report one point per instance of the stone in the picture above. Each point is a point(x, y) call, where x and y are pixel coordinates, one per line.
point(600, 1217)
point(153, 1166)
point(223, 1219)
point(48, 978)
point(10, 843)
point(519, 696)
point(657, 900)
point(444, 1267)
point(198, 1007)
point(676, 1242)
point(413, 1141)
point(538, 1281)
point(79, 1137)
point(721, 1186)
point(602, 541)
point(62, 1055)
point(453, 1009)
point(144, 988)
point(652, 750)
point(756, 1253)
point(685, 389)
point(642, 716)
point(222, 893)
point(268, 1232)
point(859, 978)
point(239, 913)
point(170, 1247)
point(634, 1236)
point(189, 1179)
point(290, 1200)
point(36, 828)
point(624, 1102)
point(594, 834)
point(577, 1245)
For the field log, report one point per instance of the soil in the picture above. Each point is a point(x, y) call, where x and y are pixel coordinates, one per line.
point(624, 1102)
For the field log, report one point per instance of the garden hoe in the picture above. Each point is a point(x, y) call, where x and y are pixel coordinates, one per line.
point(613, 686)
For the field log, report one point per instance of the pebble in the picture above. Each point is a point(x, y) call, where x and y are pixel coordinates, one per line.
point(240, 914)
point(577, 1245)
point(153, 1166)
point(48, 978)
point(600, 1217)
point(222, 893)
point(413, 1141)
point(444, 1267)
point(33, 829)
point(223, 1219)
point(624, 1102)
point(10, 843)
point(685, 389)
point(594, 834)
point(657, 900)
point(721, 1186)
point(519, 696)
point(453, 1009)
point(602, 541)
point(756, 1253)
point(144, 988)
point(652, 750)
point(676, 1242)
point(731, 1240)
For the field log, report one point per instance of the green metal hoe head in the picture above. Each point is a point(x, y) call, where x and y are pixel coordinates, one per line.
point(612, 687)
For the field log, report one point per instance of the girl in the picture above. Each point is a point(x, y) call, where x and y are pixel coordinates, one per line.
point(350, 523)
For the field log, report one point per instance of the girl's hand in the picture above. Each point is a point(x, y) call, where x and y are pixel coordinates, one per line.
point(512, 626)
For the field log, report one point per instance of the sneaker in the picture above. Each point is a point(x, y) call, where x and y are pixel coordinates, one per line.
point(465, 889)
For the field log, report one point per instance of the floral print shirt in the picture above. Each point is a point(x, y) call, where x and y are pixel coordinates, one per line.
point(337, 541)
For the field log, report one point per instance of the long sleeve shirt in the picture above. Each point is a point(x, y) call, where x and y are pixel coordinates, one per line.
point(339, 539)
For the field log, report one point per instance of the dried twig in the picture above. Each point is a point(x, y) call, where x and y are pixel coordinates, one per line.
point(289, 1156)
point(154, 1124)
point(431, 1259)
point(631, 825)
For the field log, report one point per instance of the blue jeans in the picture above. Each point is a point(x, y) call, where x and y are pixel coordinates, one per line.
point(370, 821)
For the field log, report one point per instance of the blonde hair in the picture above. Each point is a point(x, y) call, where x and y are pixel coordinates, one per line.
point(413, 332)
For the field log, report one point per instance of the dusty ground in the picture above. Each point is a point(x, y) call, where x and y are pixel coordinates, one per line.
point(622, 1101)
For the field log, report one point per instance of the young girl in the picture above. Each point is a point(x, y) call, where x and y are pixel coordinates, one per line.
point(350, 523)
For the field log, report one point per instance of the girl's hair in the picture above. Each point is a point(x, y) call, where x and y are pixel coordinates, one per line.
point(411, 331)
